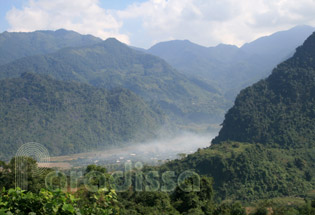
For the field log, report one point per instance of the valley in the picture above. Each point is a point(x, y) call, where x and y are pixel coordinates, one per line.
point(154, 152)
point(93, 126)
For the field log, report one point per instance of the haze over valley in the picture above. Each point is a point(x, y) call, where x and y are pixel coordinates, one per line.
point(148, 107)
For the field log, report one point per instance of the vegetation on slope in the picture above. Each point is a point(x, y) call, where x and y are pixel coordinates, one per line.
point(112, 64)
point(49, 200)
point(280, 109)
point(68, 117)
point(252, 171)
point(266, 147)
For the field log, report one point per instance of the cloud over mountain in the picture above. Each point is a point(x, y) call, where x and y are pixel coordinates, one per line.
point(144, 23)
point(213, 22)
point(83, 16)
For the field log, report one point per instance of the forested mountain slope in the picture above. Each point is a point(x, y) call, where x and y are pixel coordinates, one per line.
point(68, 117)
point(280, 109)
point(266, 147)
point(111, 64)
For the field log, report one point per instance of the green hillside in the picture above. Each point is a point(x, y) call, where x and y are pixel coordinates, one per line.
point(280, 109)
point(15, 45)
point(69, 117)
point(266, 147)
point(112, 64)
point(247, 172)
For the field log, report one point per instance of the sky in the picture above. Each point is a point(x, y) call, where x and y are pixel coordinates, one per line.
point(143, 23)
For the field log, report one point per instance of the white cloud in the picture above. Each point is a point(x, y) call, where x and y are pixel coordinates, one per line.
point(213, 21)
point(207, 22)
point(83, 16)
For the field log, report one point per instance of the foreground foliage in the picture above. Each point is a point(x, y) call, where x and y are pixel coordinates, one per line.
point(105, 200)
point(17, 201)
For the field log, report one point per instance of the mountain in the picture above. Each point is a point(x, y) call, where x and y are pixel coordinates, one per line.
point(180, 53)
point(192, 59)
point(111, 64)
point(266, 147)
point(15, 45)
point(279, 43)
point(228, 67)
point(280, 109)
point(69, 117)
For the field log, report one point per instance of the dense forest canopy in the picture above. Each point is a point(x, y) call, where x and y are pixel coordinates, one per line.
point(69, 117)
point(280, 109)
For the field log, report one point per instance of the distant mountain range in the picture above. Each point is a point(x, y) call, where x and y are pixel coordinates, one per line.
point(228, 67)
point(110, 64)
point(69, 117)
point(198, 92)
point(200, 89)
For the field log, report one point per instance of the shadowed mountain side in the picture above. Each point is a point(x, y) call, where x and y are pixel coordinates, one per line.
point(68, 117)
